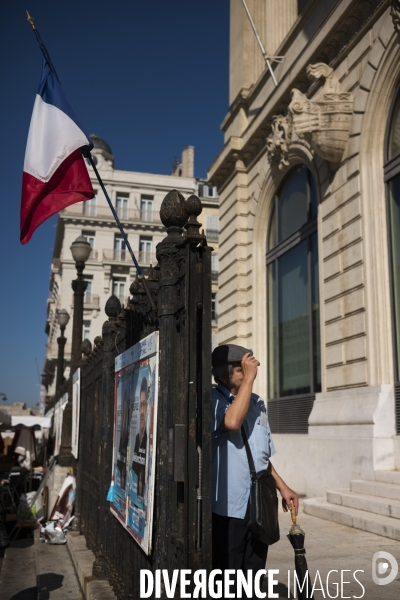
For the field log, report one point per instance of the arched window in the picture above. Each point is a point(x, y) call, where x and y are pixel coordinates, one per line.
point(294, 365)
point(392, 179)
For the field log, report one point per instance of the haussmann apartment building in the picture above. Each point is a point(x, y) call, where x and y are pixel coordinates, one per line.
point(137, 199)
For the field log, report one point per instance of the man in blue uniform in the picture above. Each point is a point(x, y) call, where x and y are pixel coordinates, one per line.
point(234, 405)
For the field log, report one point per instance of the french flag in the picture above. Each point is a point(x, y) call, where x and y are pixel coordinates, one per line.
point(55, 175)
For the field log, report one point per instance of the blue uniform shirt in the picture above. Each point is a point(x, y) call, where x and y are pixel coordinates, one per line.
point(230, 467)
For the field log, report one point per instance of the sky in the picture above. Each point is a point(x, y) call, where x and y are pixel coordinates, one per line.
point(149, 77)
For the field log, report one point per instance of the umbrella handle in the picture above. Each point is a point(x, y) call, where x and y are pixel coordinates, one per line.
point(293, 513)
point(292, 510)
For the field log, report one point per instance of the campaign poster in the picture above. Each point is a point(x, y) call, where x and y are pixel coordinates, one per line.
point(135, 420)
point(76, 408)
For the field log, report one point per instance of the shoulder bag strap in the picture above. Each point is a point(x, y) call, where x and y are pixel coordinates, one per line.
point(248, 452)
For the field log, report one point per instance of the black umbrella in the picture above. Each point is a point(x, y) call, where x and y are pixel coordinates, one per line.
point(296, 538)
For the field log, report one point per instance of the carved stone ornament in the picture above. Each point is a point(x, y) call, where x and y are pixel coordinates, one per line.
point(395, 14)
point(278, 141)
point(325, 120)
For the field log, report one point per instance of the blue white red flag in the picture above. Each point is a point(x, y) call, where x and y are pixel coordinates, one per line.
point(55, 175)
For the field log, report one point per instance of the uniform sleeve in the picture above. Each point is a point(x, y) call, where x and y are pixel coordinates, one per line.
point(272, 450)
point(219, 406)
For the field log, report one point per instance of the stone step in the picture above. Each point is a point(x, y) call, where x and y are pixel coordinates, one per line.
point(388, 476)
point(18, 572)
point(372, 504)
point(375, 488)
point(353, 517)
point(55, 573)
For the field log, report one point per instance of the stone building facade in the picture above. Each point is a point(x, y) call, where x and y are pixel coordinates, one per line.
point(309, 248)
point(137, 198)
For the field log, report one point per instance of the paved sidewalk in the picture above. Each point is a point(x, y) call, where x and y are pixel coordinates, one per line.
point(332, 546)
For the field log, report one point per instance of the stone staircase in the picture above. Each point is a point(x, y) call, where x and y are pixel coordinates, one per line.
point(370, 505)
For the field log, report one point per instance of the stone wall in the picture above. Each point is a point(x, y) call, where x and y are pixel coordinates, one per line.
point(355, 298)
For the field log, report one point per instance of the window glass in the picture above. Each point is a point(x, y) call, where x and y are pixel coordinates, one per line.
point(212, 225)
point(119, 248)
point(315, 313)
point(146, 208)
point(272, 231)
point(293, 310)
point(145, 250)
point(121, 205)
point(301, 4)
point(313, 198)
point(214, 307)
point(293, 204)
point(89, 207)
point(272, 366)
point(394, 136)
point(89, 281)
point(294, 327)
point(86, 330)
point(119, 287)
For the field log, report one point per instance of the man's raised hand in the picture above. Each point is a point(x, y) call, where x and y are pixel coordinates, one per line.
point(249, 366)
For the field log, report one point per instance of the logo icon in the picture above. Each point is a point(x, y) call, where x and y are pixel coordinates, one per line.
point(380, 568)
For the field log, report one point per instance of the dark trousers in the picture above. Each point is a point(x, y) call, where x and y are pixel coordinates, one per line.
point(233, 546)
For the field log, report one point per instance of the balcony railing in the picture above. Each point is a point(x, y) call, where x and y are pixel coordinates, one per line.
point(89, 210)
point(147, 258)
point(148, 215)
point(212, 234)
point(89, 300)
point(103, 212)
point(117, 255)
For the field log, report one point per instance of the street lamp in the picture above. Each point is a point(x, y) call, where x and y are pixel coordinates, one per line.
point(62, 319)
point(81, 250)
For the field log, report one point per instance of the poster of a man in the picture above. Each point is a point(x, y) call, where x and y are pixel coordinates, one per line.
point(140, 448)
point(122, 434)
point(136, 372)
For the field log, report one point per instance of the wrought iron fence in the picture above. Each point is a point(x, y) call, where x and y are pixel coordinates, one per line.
point(181, 289)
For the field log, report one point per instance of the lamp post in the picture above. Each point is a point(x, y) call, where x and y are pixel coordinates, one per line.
point(62, 319)
point(80, 250)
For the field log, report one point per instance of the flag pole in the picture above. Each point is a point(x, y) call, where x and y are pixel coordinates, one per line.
point(266, 58)
point(43, 48)
point(118, 222)
point(141, 277)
